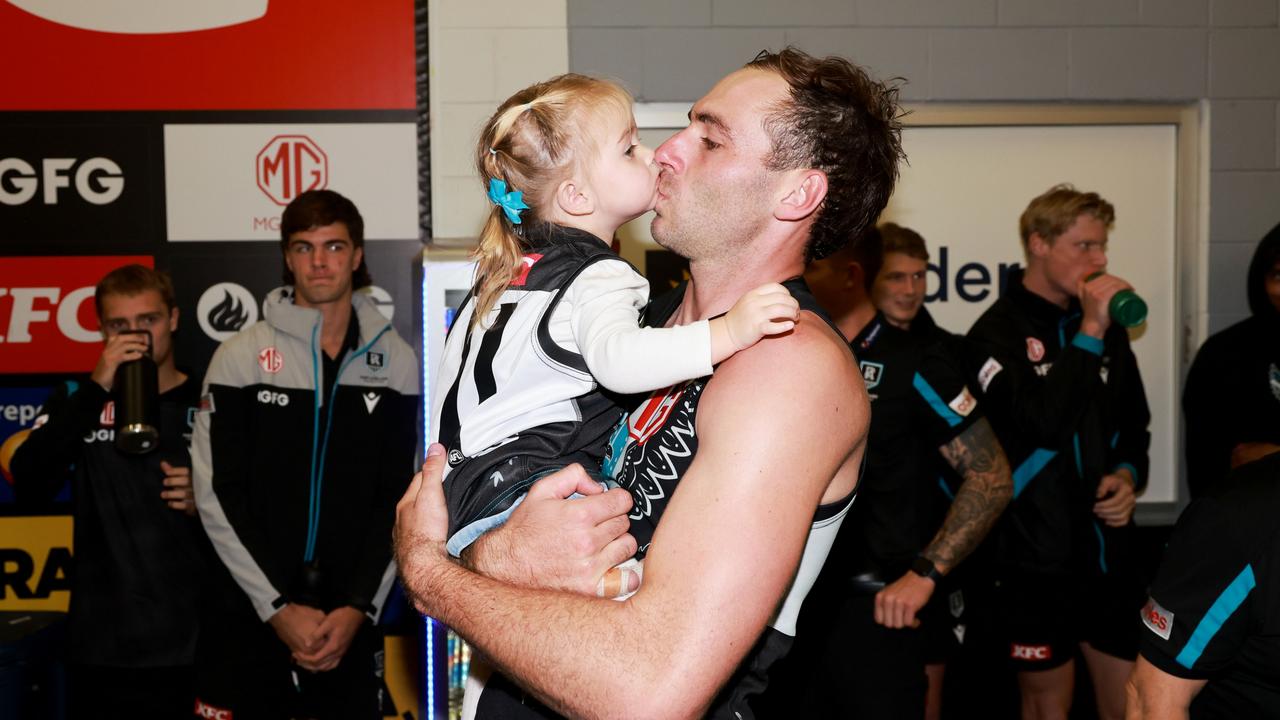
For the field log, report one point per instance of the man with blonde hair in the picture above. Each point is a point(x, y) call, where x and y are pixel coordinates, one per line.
point(1063, 392)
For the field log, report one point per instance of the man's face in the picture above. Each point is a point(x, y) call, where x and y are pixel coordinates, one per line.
point(322, 260)
point(1075, 254)
point(714, 193)
point(900, 287)
point(144, 311)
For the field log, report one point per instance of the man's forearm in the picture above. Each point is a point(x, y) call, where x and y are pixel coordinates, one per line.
point(582, 656)
point(1152, 694)
point(984, 494)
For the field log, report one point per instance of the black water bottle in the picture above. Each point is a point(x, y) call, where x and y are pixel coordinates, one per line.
point(137, 395)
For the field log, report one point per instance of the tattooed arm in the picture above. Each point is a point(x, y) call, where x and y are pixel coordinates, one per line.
point(987, 488)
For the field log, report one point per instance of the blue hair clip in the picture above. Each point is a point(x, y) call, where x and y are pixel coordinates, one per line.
point(510, 202)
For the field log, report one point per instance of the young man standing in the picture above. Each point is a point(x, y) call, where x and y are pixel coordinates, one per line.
point(1063, 392)
point(139, 554)
point(887, 592)
point(765, 452)
point(306, 426)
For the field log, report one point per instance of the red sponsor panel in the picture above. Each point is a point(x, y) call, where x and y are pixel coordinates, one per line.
point(186, 55)
point(47, 319)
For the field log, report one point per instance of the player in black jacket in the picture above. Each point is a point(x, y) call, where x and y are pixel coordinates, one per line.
point(139, 551)
point(1232, 397)
point(884, 595)
point(1063, 392)
point(1211, 630)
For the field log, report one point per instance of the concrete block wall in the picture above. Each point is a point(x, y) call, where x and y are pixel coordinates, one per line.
point(1226, 51)
point(481, 51)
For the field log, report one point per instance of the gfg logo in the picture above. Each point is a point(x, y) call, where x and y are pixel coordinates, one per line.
point(289, 165)
point(97, 180)
point(269, 397)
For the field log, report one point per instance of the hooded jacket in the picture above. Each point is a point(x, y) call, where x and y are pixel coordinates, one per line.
point(268, 448)
point(1232, 393)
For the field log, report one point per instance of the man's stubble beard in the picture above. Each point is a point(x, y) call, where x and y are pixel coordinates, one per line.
point(712, 222)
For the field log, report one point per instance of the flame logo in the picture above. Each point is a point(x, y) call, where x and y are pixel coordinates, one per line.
point(228, 315)
point(225, 309)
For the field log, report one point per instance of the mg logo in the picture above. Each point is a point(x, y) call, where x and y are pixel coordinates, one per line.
point(290, 165)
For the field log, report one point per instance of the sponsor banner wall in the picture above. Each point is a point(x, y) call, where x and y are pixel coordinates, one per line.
point(231, 182)
point(63, 184)
point(48, 323)
point(173, 134)
point(35, 563)
point(19, 408)
point(220, 288)
point(202, 55)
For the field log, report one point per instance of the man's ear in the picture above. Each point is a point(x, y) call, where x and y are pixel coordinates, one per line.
point(173, 319)
point(808, 190)
point(574, 198)
point(855, 276)
point(1037, 246)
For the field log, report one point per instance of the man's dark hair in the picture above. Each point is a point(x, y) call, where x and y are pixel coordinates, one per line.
point(317, 208)
point(132, 280)
point(1264, 261)
point(839, 120)
point(899, 239)
point(868, 251)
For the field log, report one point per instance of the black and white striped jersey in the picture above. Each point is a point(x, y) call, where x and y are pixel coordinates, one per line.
point(536, 384)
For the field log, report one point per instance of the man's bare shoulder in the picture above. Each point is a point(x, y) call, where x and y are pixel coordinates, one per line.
point(812, 350)
point(810, 368)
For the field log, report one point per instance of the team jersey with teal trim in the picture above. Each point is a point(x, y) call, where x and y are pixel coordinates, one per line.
point(919, 402)
point(1214, 611)
point(1068, 409)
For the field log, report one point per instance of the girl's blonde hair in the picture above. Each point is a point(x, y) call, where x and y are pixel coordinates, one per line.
point(534, 141)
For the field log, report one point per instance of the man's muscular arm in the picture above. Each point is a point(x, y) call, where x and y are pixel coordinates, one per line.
point(724, 553)
point(987, 489)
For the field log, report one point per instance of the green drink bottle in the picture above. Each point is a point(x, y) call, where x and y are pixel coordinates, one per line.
point(1126, 307)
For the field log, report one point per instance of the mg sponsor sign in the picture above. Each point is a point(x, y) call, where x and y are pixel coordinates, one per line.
point(231, 182)
point(290, 165)
point(48, 323)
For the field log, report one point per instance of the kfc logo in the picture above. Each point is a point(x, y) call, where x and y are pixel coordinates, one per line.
point(290, 165)
point(1031, 652)
point(270, 360)
point(97, 180)
point(225, 309)
point(205, 710)
point(1035, 350)
point(49, 323)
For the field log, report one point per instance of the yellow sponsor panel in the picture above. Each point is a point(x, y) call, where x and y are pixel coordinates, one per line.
point(402, 670)
point(35, 563)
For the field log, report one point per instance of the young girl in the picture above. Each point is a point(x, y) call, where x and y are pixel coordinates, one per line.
point(549, 335)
